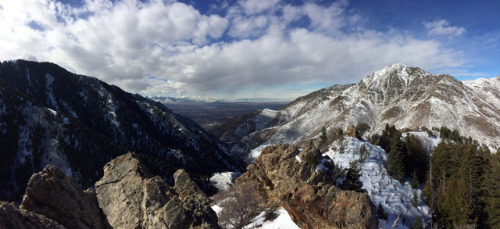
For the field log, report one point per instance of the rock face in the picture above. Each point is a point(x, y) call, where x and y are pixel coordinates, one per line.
point(13, 217)
point(53, 194)
point(132, 198)
point(326, 206)
point(303, 182)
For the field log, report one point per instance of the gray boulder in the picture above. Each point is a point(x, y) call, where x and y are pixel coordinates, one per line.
point(55, 195)
point(131, 197)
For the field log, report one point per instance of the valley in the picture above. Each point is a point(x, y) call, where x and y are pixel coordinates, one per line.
point(211, 114)
point(375, 154)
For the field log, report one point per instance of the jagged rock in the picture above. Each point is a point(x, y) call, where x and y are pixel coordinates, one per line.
point(13, 217)
point(57, 196)
point(194, 200)
point(303, 182)
point(326, 206)
point(351, 131)
point(132, 198)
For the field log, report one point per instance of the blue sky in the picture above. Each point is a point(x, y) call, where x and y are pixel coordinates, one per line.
point(251, 48)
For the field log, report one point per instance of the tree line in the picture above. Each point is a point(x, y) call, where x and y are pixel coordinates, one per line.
point(461, 177)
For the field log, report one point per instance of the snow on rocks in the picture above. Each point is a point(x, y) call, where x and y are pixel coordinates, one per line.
point(282, 221)
point(395, 197)
point(223, 180)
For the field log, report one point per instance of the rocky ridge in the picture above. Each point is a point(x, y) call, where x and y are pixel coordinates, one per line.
point(51, 116)
point(128, 196)
point(407, 97)
point(303, 182)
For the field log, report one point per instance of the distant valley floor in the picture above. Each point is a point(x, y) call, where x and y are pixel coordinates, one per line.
point(209, 115)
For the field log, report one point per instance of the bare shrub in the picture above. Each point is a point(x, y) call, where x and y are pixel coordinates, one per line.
point(239, 208)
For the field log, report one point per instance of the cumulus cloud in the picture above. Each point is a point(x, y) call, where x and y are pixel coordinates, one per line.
point(443, 27)
point(166, 46)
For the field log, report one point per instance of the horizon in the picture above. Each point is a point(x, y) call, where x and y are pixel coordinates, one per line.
point(250, 49)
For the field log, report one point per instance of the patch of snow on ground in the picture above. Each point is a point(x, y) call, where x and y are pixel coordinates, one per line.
point(48, 90)
point(254, 154)
point(321, 165)
point(52, 111)
point(297, 157)
point(222, 180)
point(283, 221)
point(395, 197)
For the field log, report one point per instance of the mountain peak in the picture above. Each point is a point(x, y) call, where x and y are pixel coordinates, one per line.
point(394, 75)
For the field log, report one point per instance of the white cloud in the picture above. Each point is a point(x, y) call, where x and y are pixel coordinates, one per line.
point(257, 6)
point(442, 27)
point(253, 46)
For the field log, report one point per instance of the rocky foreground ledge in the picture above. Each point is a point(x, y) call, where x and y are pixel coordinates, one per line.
point(303, 182)
point(127, 196)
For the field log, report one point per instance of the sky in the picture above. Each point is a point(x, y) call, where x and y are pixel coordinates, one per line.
point(258, 49)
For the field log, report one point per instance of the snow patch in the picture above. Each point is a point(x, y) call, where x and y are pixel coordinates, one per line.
point(223, 180)
point(297, 157)
point(282, 221)
point(395, 197)
point(254, 154)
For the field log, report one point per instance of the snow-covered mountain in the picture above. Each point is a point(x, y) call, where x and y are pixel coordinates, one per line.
point(407, 97)
point(487, 89)
point(78, 123)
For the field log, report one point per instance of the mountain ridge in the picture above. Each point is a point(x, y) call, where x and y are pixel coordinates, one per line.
point(66, 110)
point(407, 97)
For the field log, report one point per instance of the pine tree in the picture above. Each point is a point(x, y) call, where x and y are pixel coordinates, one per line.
point(323, 135)
point(492, 190)
point(417, 158)
point(417, 224)
point(457, 203)
point(415, 199)
point(414, 180)
point(381, 214)
point(396, 159)
point(353, 176)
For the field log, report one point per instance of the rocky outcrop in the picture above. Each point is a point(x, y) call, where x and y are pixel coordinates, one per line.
point(55, 195)
point(326, 206)
point(303, 182)
point(132, 198)
point(13, 217)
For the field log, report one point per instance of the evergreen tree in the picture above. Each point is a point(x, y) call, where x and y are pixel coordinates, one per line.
point(396, 159)
point(352, 181)
point(457, 203)
point(492, 191)
point(417, 158)
point(323, 135)
point(415, 199)
point(381, 214)
point(414, 180)
point(417, 224)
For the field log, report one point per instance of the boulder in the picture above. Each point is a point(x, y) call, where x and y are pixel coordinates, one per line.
point(131, 197)
point(326, 206)
point(55, 195)
point(303, 182)
point(13, 217)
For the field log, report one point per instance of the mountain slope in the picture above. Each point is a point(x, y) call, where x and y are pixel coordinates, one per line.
point(406, 97)
point(47, 112)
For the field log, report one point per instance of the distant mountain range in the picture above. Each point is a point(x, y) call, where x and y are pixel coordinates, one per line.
point(407, 97)
point(184, 99)
point(78, 123)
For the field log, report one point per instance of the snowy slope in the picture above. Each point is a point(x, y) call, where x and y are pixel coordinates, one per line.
point(406, 97)
point(487, 89)
point(394, 196)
